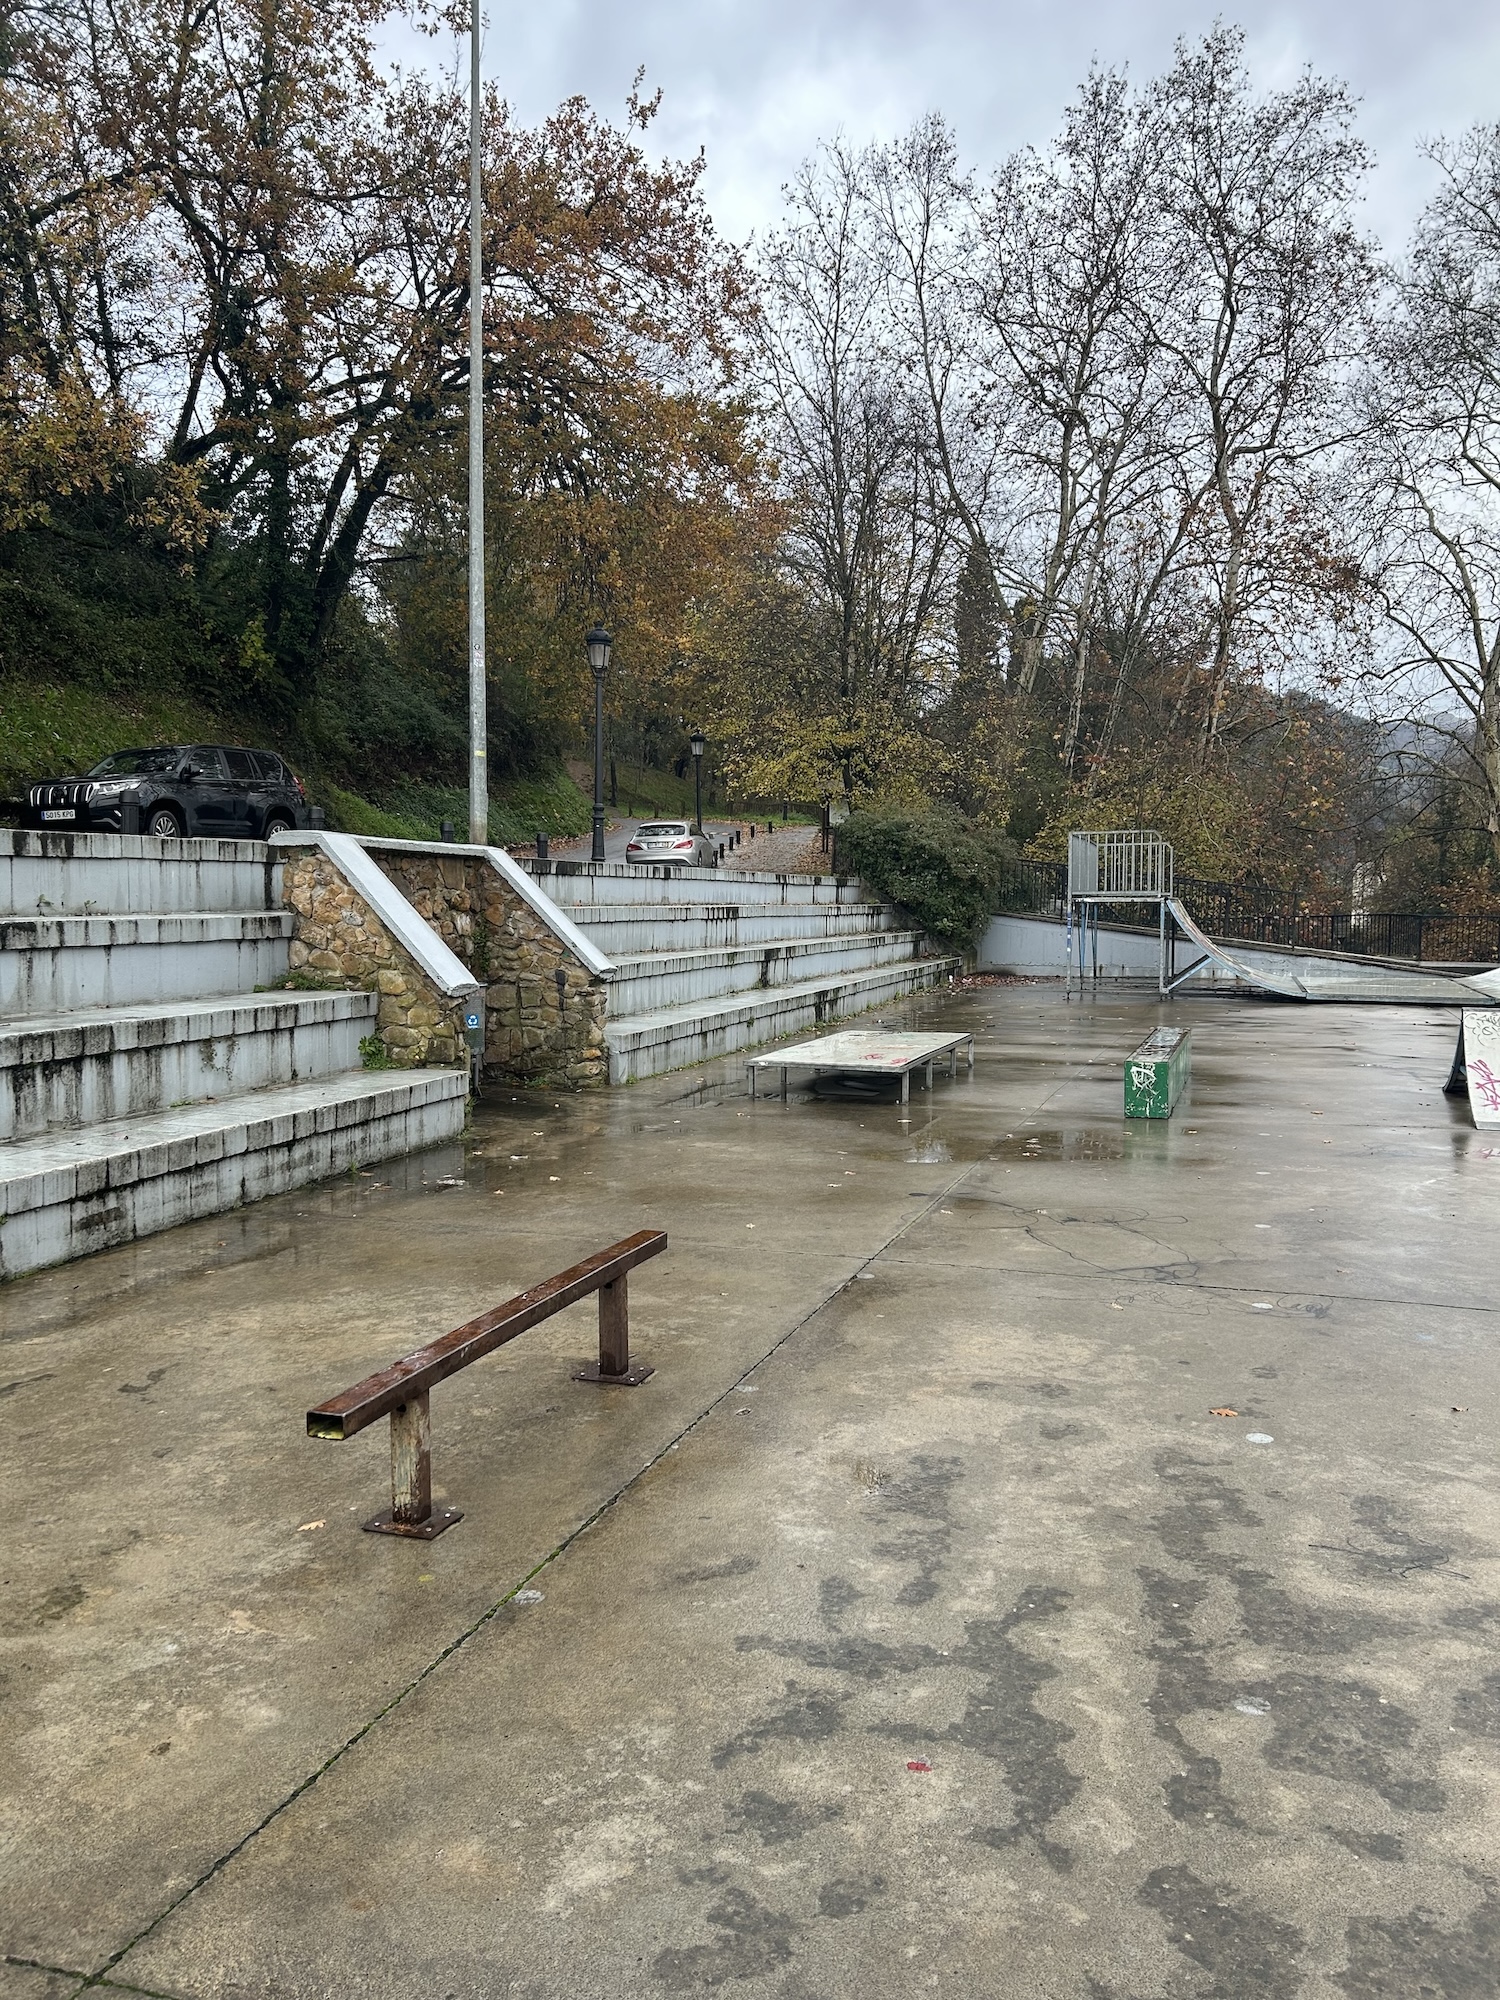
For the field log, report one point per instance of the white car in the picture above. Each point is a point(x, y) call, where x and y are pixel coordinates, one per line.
point(672, 841)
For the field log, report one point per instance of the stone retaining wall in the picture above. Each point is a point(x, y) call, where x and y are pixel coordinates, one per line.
point(340, 940)
point(534, 1033)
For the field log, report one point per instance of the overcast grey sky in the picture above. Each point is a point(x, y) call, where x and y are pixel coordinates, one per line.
point(757, 85)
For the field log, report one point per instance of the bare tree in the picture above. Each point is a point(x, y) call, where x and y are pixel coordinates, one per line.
point(870, 522)
point(1260, 307)
point(1073, 380)
point(1432, 492)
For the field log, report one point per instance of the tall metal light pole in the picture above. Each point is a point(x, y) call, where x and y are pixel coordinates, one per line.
point(597, 644)
point(479, 779)
point(700, 743)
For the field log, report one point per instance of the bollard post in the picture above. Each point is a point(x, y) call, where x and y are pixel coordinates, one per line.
point(613, 1367)
point(447, 833)
point(752, 829)
point(411, 1511)
point(542, 849)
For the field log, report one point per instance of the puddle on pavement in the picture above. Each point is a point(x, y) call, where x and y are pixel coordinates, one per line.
point(1063, 1142)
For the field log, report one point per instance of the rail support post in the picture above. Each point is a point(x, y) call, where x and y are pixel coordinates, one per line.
point(613, 1367)
point(411, 1511)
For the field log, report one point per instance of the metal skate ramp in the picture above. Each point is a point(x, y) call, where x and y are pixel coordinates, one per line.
point(1301, 975)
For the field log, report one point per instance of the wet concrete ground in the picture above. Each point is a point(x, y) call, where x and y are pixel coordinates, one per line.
point(916, 1629)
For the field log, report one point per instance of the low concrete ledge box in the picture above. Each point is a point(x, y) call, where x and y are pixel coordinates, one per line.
point(1157, 1073)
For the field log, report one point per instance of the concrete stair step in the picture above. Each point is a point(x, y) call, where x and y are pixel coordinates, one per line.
point(94, 874)
point(49, 963)
point(577, 885)
point(65, 1194)
point(674, 1037)
point(84, 1066)
point(645, 982)
point(623, 928)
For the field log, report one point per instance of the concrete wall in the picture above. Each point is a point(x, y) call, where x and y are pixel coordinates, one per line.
point(1037, 946)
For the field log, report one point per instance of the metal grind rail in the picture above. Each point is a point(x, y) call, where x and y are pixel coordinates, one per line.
point(402, 1390)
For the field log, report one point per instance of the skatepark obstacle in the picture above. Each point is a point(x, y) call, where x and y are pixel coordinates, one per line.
point(401, 1391)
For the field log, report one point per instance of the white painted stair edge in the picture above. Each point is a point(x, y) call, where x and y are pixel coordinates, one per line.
point(86, 1068)
point(105, 874)
point(68, 1193)
point(48, 964)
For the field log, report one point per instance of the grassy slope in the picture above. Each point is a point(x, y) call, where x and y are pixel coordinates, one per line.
point(61, 730)
point(54, 731)
point(57, 731)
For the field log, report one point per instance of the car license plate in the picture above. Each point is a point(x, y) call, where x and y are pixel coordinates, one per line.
point(60, 813)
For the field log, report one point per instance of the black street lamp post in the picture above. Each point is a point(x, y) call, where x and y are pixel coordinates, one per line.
point(700, 744)
point(598, 644)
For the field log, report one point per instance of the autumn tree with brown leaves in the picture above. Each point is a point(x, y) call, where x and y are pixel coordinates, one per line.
point(235, 263)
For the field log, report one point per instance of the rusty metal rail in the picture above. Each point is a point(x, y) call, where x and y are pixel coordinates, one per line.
point(401, 1391)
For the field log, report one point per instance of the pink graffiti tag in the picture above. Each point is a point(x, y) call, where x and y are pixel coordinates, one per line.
point(1484, 1083)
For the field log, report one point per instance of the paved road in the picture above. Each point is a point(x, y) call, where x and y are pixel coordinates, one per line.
point(1052, 1557)
point(617, 833)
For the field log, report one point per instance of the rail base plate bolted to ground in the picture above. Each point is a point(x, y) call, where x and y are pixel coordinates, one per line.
point(632, 1378)
point(418, 1531)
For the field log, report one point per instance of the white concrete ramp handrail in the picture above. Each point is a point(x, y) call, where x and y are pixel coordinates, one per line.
point(557, 921)
point(515, 877)
point(443, 967)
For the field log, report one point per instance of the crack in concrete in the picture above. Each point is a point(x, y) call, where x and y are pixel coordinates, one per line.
point(100, 1978)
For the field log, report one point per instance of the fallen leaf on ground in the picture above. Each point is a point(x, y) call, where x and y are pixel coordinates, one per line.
point(308, 1526)
point(1225, 1412)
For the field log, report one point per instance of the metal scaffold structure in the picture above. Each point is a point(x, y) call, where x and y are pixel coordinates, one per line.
point(1129, 866)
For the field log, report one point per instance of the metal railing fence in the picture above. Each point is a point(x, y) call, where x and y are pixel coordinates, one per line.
point(1269, 916)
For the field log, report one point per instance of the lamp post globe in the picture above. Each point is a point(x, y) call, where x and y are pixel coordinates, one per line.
point(598, 645)
point(699, 744)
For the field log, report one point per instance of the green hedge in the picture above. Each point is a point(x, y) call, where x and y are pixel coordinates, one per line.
point(944, 873)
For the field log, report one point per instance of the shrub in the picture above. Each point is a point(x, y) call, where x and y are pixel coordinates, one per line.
point(944, 873)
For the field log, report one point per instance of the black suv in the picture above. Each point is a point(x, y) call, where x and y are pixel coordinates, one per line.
point(205, 788)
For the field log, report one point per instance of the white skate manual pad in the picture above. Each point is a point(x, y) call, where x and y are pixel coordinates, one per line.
point(887, 1051)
